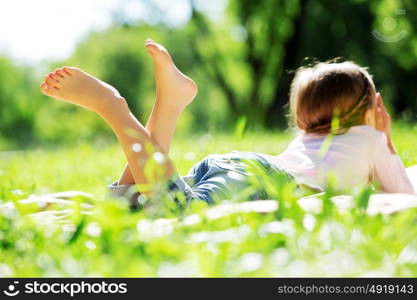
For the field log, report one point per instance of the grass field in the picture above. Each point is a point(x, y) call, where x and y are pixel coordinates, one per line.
point(200, 241)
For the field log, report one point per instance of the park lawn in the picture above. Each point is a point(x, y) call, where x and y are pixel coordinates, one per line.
point(164, 241)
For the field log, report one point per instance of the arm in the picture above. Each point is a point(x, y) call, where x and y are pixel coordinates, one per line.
point(383, 122)
point(388, 167)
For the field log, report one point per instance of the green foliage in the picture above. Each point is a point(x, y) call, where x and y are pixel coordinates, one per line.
point(100, 237)
point(263, 41)
point(118, 57)
point(18, 102)
point(241, 61)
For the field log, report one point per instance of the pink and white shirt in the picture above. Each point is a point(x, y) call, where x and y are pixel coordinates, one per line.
point(354, 158)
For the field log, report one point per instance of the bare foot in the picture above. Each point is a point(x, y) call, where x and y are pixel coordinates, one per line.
point(76, 86)
point(173, 88)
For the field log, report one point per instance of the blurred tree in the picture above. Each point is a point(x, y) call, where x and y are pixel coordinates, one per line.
point(118, 56)
point(242, 60)
point(124, 70)
point(275, 36)
point(18, 102)
point(266, 31)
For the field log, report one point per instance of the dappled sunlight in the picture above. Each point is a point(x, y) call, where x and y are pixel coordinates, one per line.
point(198, 147)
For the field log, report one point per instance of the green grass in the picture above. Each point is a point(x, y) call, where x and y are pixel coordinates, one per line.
point(163, 241)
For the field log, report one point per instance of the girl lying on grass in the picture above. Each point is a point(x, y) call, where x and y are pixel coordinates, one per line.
point(356, 151)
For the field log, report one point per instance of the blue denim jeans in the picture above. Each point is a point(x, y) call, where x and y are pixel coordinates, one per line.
point(217, 177)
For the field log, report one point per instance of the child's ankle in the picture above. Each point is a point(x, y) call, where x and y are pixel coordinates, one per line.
point(114, 108)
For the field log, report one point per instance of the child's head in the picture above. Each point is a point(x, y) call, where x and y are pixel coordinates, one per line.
point(327, 91)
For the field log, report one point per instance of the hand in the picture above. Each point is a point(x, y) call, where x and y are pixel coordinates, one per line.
point(383, 122)
point(382, 117)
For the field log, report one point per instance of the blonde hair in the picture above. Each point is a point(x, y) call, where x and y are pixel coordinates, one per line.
point(327, 91)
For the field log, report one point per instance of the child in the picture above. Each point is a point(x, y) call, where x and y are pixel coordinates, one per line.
point(355, 152)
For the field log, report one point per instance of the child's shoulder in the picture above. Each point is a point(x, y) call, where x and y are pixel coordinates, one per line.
point(359, 130)
point(356, 135)
point(367, 131)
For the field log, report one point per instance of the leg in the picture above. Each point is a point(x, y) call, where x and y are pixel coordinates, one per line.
point(77, 87)
point(174, 91)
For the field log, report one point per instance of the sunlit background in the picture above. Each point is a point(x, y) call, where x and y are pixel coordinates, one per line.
point(241, 53)
point(48, 29)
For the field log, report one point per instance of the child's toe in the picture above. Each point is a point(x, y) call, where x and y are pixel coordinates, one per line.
point(151, 47)
point(44, 87)
point(60, 73)
point(157, 51)
point(50, 81)
point(70, 70)
point(162, 48)
point(54, 77)
point(48, 89)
